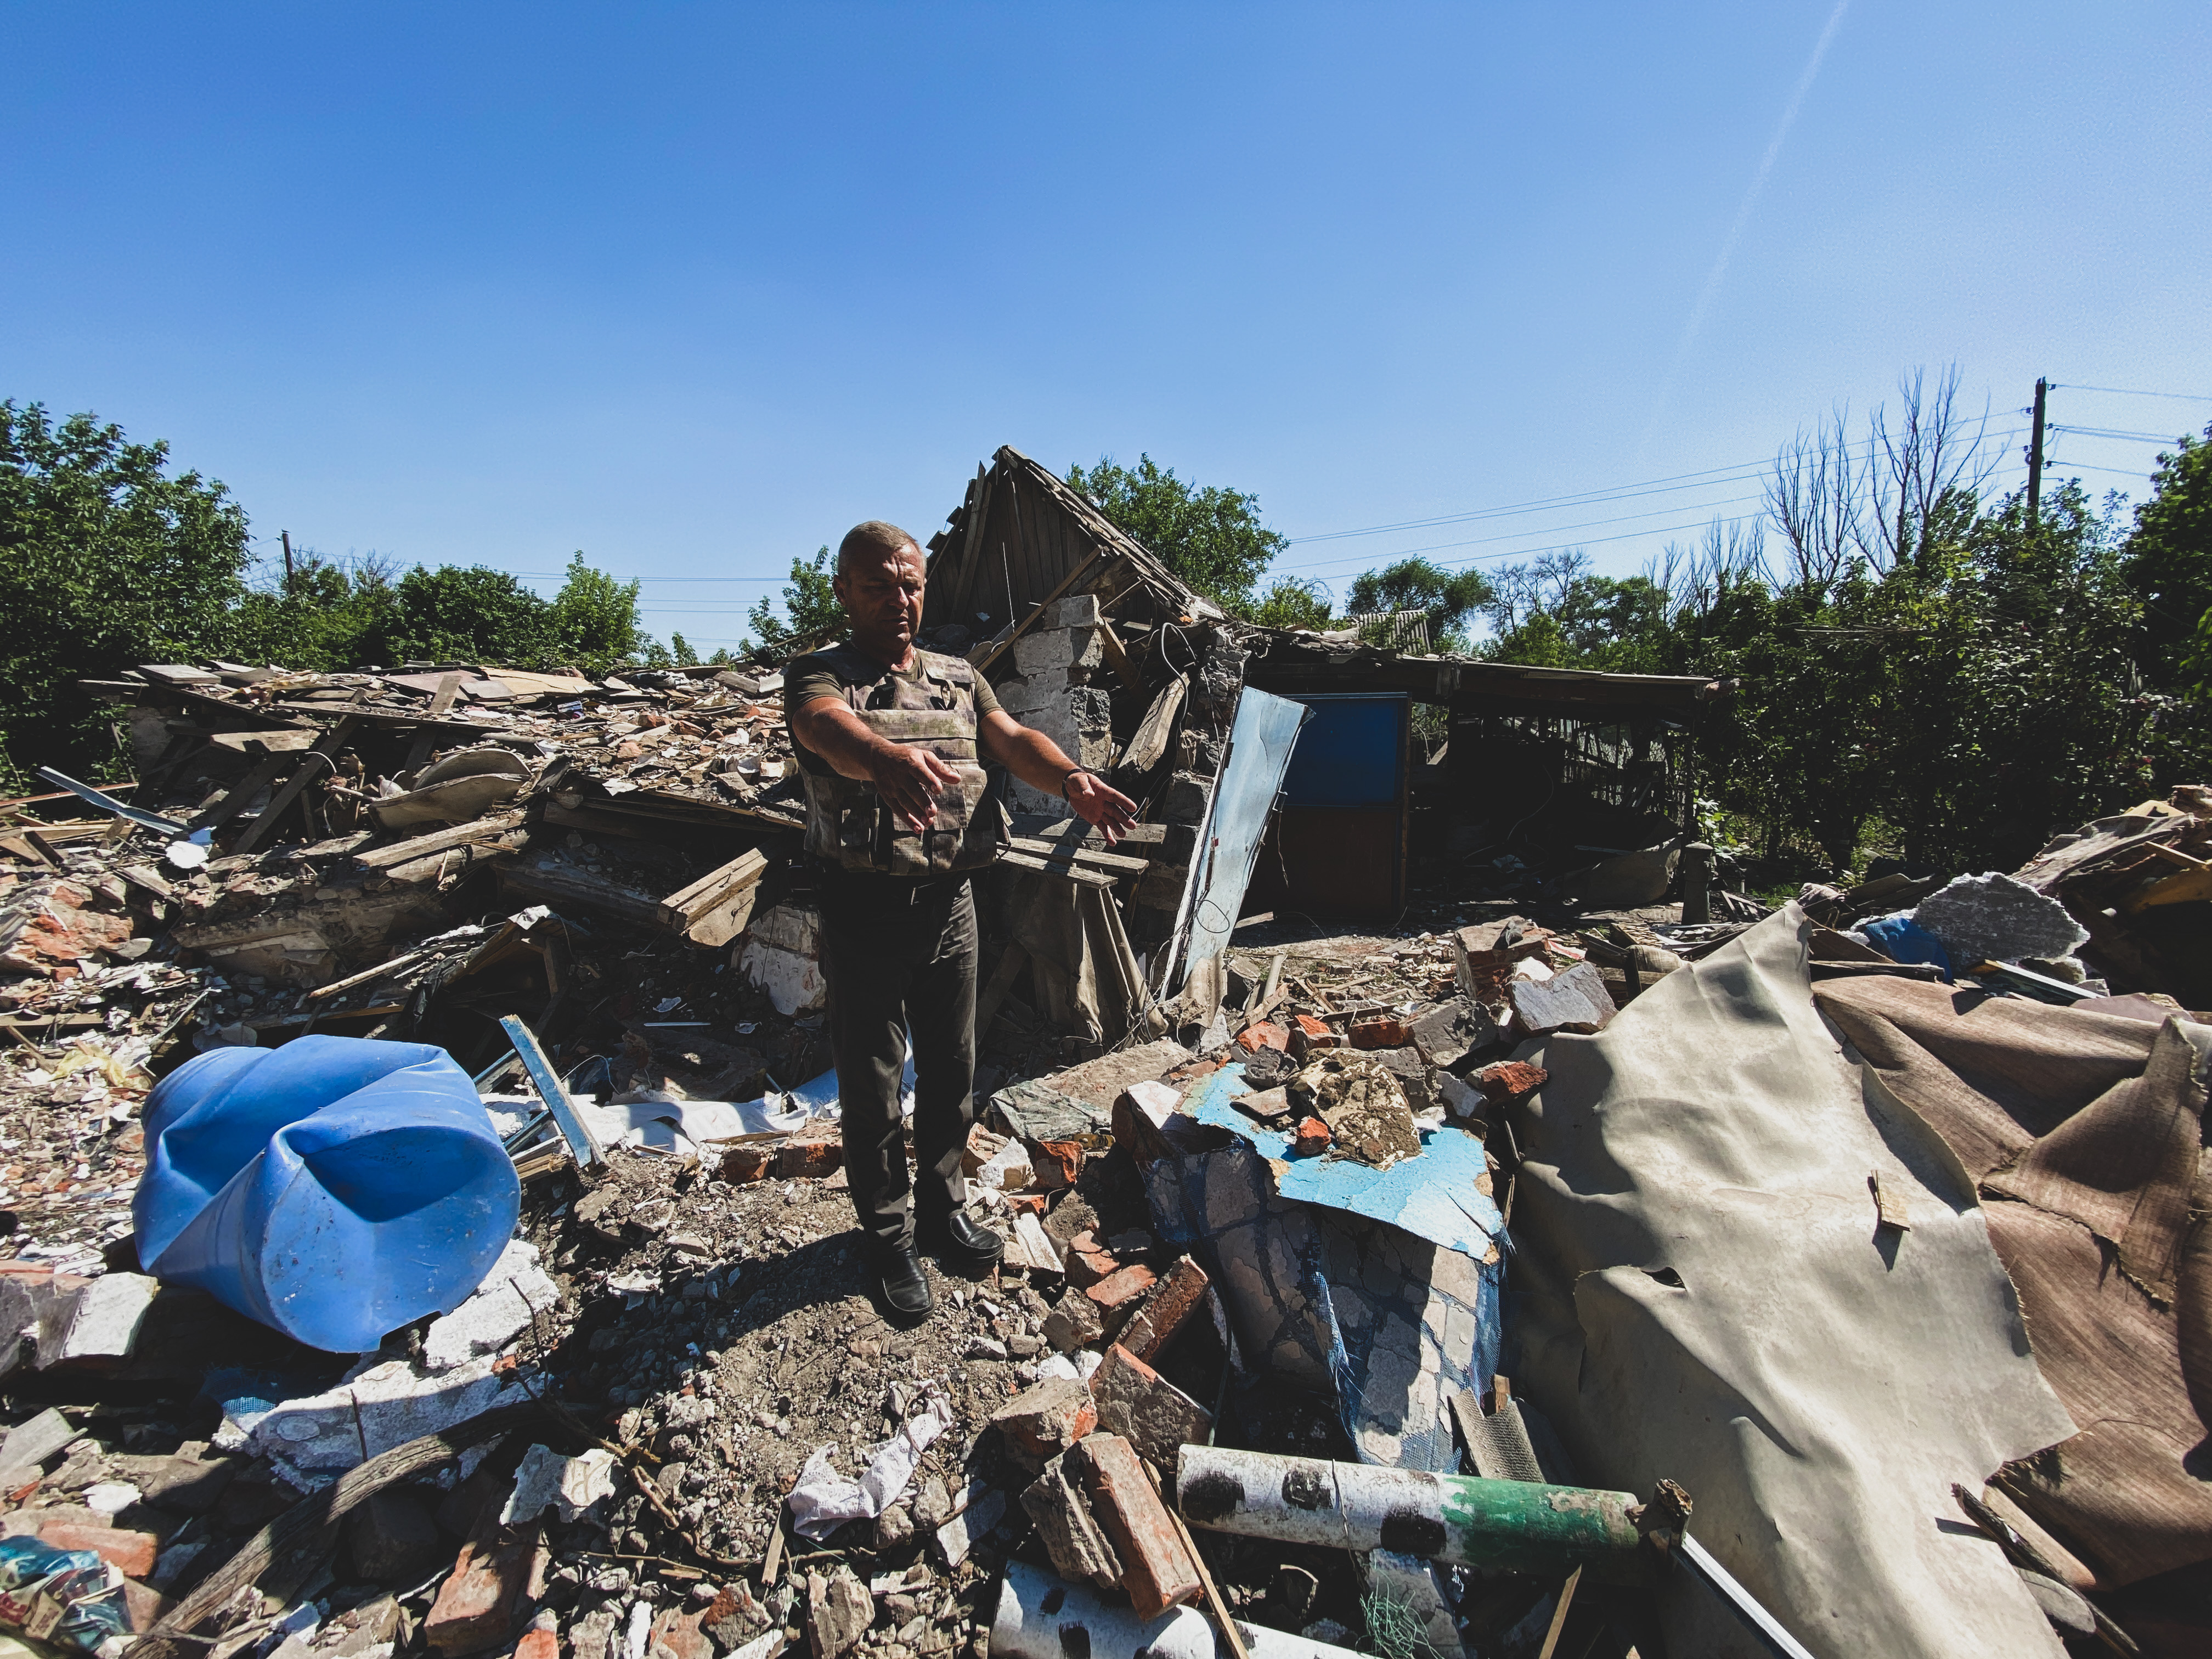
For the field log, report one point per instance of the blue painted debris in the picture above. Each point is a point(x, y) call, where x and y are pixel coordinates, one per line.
point(1433, 1196)
point(1380, 1286)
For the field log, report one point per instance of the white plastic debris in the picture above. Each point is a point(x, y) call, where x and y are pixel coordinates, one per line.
point(824, 1500)
point(574, 1483)
point(111, 1496)
point(516, 1287)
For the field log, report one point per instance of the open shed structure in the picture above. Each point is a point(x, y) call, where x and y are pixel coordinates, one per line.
point(1553, 757)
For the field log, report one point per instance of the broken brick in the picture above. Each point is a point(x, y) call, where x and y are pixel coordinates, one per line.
point(1158, 1572)
point(1263, 1034)
point(1116, 1296)
point(131, 1552)
point(1087, 1260)
point(809, 1159)
point(1510, 1080)
point(1146, 1410)
point(1312, 1139)
point(1057, 1163)
point(1382, 1032)
point(544, 1644)
point(144, 1606)
point(1040, 1425)
point(741, 1164)
point(982, 1147)
point(1075, 1323)
point(1173, 1300)
point(676, 1635)
point(476, 1604)
point(1070, 1534)
point(1310, 1034)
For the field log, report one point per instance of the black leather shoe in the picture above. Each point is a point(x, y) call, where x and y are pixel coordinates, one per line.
point(906, 1289)
point(960, 1242)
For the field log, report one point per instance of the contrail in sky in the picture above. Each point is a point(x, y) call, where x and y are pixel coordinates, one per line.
point(1712, 287)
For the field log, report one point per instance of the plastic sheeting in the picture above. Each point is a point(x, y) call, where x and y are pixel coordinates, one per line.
point(335, 1188)
point(1703, 1293)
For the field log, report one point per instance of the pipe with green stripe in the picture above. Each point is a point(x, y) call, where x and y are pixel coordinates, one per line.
point(1512, 1526)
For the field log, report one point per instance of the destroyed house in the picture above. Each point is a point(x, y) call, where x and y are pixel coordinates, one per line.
point(1538, 1269)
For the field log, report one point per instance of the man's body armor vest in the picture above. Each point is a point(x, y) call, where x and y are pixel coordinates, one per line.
point(847, 823)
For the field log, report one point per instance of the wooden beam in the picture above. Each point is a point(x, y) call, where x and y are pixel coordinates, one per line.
point(404, 852)
point(1149, 742)
point(1059, 853)
point(305, 773)
point(1117, 655)
point(1061, 867)
point(994, 652)
point(234, 798)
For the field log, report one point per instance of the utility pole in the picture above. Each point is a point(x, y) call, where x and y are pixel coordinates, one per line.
point(286, 534)
point(2035, 459)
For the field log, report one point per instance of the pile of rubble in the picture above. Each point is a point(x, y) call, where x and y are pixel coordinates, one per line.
point(1335, 1261)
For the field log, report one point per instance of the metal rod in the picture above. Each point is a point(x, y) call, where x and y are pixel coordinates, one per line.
point(583, 1146)
point(1746, 1607)
point(152, 821)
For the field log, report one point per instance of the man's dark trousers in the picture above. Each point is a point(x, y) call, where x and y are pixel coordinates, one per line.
point(899, 955)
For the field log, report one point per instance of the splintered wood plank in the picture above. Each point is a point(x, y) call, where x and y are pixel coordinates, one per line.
point(1148, 743)
point(1058, 866)
point(234, 801)
point(307, 772)
point(405, 852)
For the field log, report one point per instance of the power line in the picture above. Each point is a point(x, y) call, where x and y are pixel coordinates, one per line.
point(1552, 530)
point(2124, 391)
point(1735, 472)
point(2114, 432)
point(1556, 547)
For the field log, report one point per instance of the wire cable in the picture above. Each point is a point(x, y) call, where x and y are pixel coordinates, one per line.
point(2124, 392)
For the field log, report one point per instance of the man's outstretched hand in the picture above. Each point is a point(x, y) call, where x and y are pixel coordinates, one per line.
point(911, 779)
point(1094, 803)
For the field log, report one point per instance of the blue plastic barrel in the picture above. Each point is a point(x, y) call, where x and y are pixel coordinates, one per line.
point(335, 1188)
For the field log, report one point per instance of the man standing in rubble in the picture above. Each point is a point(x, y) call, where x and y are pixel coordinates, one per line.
point(889, 741)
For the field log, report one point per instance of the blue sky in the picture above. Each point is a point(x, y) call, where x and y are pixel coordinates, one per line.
point(695, 287)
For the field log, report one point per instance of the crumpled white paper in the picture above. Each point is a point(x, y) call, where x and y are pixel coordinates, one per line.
point(824, 1500)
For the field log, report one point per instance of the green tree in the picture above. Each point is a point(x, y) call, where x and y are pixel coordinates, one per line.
point(107, 560)
point(594, 617)
point(2169, 558)
point(811, 616)
point(470, 613)
point(1210, 537)
point(680, 648)
point(1290, 603)
point(1447, 598)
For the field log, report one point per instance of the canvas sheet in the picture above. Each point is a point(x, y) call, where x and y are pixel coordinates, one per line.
point(1702, 1293)
point(2084, 1129)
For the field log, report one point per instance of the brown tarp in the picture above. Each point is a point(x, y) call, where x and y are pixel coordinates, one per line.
point(2083, 1132)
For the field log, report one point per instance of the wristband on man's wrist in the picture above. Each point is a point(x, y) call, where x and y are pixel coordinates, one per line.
point(1070, 776)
